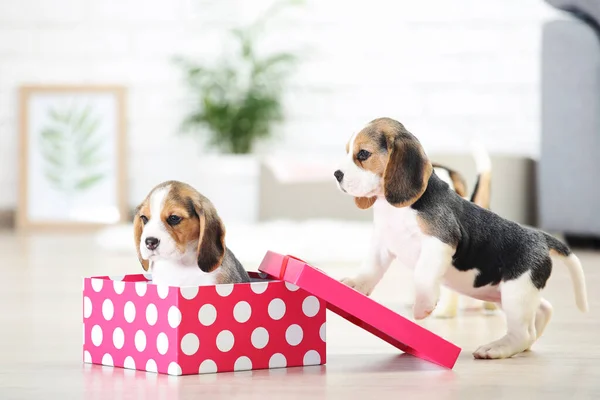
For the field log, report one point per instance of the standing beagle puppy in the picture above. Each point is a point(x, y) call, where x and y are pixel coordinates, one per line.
point(449, 240)
point(181, 239)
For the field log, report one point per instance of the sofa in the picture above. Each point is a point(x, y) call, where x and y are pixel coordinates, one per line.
point(569, 166)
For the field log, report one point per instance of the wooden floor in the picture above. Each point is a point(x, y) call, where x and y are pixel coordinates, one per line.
point(40, 342)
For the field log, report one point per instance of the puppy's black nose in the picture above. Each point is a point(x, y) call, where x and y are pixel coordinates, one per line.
point(339, 175)
point(152, 243)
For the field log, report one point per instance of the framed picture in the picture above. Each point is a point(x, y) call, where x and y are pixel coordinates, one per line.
point(72, 156)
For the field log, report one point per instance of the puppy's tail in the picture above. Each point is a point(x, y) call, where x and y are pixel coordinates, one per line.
point(482, 193)
point(559, 250)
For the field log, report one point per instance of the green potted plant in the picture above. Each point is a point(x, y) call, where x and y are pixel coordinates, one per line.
point(235, 103)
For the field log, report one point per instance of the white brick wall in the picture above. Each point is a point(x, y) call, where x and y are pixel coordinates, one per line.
point(448, 69)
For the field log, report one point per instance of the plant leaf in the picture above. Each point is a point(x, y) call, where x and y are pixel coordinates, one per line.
point(89, 181)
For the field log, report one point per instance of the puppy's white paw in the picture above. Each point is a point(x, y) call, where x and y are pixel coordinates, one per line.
point(489, 352)
point(444, 311)
point(489, 308)
point(361, 283)
point(502, 348)
point(421, 313)
point(423, 307)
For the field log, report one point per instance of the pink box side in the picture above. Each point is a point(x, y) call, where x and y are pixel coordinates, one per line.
point(266, 324)
point(364, 311)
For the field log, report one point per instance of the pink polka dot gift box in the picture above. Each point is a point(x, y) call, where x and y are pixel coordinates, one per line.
point(267, 323)
point(362, 311)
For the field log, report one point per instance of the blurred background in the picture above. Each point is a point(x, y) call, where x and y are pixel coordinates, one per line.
point(253, 102)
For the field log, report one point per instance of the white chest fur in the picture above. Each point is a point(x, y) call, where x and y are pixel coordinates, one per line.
point(171, 273)
point(398, 231)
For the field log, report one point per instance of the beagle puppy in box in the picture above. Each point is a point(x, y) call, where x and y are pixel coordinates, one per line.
point(449, 240)
point(181, 239)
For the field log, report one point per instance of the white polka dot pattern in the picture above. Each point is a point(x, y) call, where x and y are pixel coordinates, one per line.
point(310, 306)
point(259, 287)
point(312, 357)
point(162, 343)
point(87, 307)
point(224, 290)
point(174, 369)
point(294, 335)
point(151, 366)
point(140, 288)
point(207, 314)
point(140, 340)
point(190, 344)
point(276, 309)
point(97, 284)
point(260, 338)
point(174, 317)
point(242, 311)
point(107, 360)
point(162, 291)
point(207, 367)
point(129, 312)
point(129, 363)
point(189, 292)
point(151, 314)
point(188, 330)
point(277, 360)
point(118, 338)
point(323, 332)
point(242, 364)
point(96, 335)
point(119, 287)
point(108, 310)
point(225, 341)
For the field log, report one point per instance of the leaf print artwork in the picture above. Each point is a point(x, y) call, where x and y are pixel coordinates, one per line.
point(72, 150)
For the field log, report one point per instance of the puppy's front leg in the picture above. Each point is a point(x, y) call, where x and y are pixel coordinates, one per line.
point(373, 268)
point(434, 261)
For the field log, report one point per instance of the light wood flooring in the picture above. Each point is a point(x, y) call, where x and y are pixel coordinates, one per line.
point(40, 342)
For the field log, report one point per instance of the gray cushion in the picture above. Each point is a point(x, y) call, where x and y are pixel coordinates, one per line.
point(588, 10)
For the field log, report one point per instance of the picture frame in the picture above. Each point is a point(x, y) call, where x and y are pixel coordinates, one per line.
point(72, 164)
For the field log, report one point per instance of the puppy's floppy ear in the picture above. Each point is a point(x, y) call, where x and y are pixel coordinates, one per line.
point(138, 227)
point(211, 240)
point(407, 172)
point(364, 202)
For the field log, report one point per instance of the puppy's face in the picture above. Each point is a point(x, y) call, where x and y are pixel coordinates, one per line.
point(384, 159)
point(176, 222)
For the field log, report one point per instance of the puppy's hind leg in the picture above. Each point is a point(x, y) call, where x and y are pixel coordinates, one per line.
point(448, 305)
point(521, 302)
point(489, 308)
point(542, 317)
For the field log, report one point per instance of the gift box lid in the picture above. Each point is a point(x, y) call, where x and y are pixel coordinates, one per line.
point(362, 311)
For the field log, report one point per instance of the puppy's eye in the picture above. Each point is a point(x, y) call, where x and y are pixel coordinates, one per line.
point(173, 220)
point(362, 155)
point(144, 219)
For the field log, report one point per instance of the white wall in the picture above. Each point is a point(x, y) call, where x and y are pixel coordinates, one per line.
point(448, 69)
